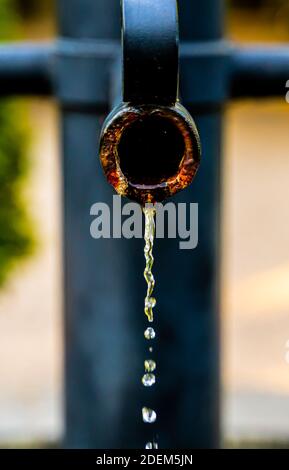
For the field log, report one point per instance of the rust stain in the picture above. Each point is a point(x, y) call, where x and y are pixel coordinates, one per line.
point(110, 138)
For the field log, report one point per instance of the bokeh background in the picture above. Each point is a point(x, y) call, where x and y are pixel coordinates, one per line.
point(255, 251)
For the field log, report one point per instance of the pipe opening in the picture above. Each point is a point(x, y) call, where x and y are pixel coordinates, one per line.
point(150, 150)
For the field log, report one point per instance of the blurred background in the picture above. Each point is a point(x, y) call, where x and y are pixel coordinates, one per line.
point(255, 251)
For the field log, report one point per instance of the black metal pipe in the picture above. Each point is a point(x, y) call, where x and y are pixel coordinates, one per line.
point(26, 69)
point(150, 51)
point(259, 71)
point(149, 145)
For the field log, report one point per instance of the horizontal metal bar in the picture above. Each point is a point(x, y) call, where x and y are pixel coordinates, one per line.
point(26, 68)
point(259, 71)
point(79, 72)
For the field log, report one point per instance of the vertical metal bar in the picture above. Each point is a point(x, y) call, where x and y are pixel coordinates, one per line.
point(88, 19)
point(104, 286)
point(198, 329)
point(201, 21)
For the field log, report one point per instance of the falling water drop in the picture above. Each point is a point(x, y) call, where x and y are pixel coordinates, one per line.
point(148, 380)
point(152, 445)
point(149, 365)
point(149, 333)
point(148, 415)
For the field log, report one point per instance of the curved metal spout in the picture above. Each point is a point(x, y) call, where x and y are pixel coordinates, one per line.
point(149, 145)
point(150, 51)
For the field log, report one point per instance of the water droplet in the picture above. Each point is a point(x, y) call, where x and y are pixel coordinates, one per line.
point(148, 380)
point(150, 302)
point(152, 445)
point(150, 365)
point(149, 333)
point(150, 349)
point(148, 415)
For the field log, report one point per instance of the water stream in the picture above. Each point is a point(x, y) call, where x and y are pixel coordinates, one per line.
point(149, 415)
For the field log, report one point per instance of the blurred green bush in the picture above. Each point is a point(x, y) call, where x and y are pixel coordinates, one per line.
point(16, 234)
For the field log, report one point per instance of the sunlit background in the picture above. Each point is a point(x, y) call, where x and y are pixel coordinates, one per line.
point(255, 267)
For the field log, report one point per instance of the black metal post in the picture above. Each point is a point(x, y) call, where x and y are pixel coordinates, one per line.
point(98, 334)
point(191, 325)
point(105, 288)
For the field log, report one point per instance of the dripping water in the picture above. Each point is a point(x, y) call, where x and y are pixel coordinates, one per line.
point(149, 415)
point(149, 235)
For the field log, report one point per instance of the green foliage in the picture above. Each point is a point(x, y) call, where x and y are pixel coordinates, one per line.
point(15, 227)
point(16, 236)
